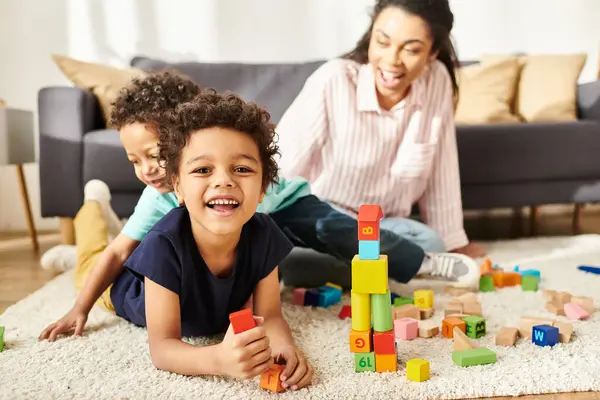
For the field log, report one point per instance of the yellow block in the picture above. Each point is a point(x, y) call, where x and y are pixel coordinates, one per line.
point(417, 370)
point(423, 298)
point(333, 285)
point(370, 276)
point(386, 363)
point(361, 311)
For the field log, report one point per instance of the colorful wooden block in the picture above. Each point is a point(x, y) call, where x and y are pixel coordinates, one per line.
point(311, 298)
point(333, 285)
point(368, 249)
point(529, 283)
point(242, 320)
point(271, 378)
point(448, 325)
point(361, 311)
point(504, 279)
point(381, 309)
point(298, 296)
point(507, 336)
point(574, 311)
point(406, 328)
point(400, 301)
point(486, 267)
point(361, 341)
point(384, 342)
point(369, 216)
point(428, 329)
point(587, 303)
point(486, 284)
point(563, 297)
point(426, 313)
point(370, 276)
point(526, 325)
point(417, 370)
point(475, 326)
point(544, 335)
point(477, 356)
point(555, 307)
point(529, 272)
point(329, 296)
point(472, 309)
point(461, 341)
point(386, 362)
point(406, 311)
point(423, 298)
point(345, 312)
point(467, 298)
point(364, 362)
point(1, 339)
point(565, 330)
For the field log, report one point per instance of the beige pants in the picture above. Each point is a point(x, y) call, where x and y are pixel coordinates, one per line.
point(91, 237)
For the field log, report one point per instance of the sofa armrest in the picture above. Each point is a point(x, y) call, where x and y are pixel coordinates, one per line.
point(588, 101)
point(65, 114)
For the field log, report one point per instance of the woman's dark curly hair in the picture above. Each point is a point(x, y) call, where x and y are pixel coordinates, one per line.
point(212, 109)
point(145, 99)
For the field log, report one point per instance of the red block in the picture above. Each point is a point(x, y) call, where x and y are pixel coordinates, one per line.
point(384, 342)
point(242, 320)
point(369, 216)
point(345, 312)
point(298, 298)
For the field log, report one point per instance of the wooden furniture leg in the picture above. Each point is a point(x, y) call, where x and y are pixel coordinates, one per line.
point(27, 206)
point(576, 223)
point(516, 225)
point(533, 213)
point(67, 230)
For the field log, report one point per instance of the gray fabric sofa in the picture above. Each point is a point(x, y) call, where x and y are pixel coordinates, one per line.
point(505, 165)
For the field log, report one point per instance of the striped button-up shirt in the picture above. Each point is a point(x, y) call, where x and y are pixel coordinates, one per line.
point(336, 135)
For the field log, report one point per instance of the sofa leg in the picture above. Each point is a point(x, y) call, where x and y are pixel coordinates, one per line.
point(533, 213)
point(576, 223)
point(67, 230)
point(516, 226)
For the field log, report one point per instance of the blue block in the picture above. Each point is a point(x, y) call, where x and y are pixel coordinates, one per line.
point(533, 272)
point(311, 298)
point(329, 296)
point(394, 295)
point(368, 249)
point(544, 335)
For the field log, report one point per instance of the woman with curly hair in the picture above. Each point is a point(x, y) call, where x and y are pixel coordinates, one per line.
point(377, 126)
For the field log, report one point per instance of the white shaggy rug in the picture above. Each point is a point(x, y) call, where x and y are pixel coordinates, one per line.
point(111, 360)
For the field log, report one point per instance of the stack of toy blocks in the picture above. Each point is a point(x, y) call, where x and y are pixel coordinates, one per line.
point(372, 335)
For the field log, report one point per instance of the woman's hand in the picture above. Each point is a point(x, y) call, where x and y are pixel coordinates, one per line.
point(472, 250)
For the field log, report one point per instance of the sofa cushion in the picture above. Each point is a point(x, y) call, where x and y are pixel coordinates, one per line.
point(104, 158)
point(272, 86)
point(528, 152)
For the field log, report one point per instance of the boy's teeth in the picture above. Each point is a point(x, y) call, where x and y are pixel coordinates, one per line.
point(222, 202)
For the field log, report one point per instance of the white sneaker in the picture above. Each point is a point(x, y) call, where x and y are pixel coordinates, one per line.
point(61, 258)
point(99, 191)
point(458, 268)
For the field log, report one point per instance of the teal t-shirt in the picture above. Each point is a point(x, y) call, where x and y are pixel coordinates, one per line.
point(153, 205)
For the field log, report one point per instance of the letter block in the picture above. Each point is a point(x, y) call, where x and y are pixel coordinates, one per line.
point(406, 328)
point(417, 370)
point(361, 341)
point(448, 326)
point(361, 311)
point(364, 362)
point(544, 335)
point(386, 363)
point(242, 320)
point(369, 216)
point(368, 249)
point(423, 298)
point(477, 356)
point(271, 378)
point(475, 326)
point(381, 309)
point(370, 276)
point(384, 343)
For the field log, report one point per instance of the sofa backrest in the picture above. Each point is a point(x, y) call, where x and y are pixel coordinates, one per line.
point(272, 86)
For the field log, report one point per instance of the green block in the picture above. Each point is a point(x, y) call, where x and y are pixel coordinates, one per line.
point(475, 326)
point(478, 356)
point(381, 309)
point(486, 284)
point(400, 301)
point(529, 283)
point(364, 362)
point(1, 338)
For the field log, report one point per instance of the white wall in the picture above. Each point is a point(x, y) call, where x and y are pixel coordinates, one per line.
point(112, 31)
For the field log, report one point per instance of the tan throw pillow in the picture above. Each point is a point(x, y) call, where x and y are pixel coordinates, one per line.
point(486, 92)
point(548, 87)
point(103, 81)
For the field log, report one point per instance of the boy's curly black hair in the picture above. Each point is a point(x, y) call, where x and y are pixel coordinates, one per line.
point(146, 98)
point(213, 109)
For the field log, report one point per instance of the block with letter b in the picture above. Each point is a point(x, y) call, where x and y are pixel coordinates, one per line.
point(369, 216)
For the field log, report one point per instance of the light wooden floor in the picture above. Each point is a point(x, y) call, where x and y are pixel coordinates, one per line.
point(20, 273)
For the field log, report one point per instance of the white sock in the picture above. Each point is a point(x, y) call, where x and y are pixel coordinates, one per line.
point(426, 267)
point(99, 191)
point(61, 258)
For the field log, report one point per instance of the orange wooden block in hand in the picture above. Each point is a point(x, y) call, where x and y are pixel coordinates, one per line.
point(242, 320)
point(271, 378)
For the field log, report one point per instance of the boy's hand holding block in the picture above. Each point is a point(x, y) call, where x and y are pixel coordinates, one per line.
point(271, 378)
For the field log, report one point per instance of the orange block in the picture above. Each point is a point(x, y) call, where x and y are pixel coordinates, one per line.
point(486, 266)
point(271, 378)
point(502, 279)
point(368, 221)
point(386, 363)
point(361, 341)
point(448, 326)
point(242, 320)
